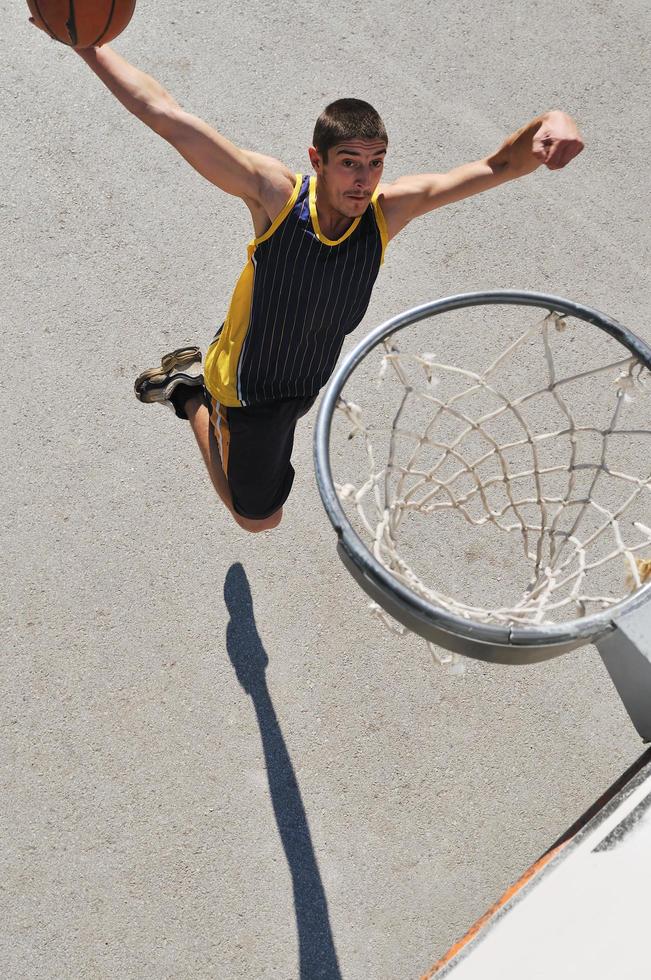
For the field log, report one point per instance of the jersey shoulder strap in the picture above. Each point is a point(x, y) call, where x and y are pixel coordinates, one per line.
point(278, 220)
point(380, 221)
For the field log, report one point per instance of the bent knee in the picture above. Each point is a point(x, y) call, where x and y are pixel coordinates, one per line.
point(255, 526)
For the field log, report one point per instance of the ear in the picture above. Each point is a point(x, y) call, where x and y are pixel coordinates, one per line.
point(315, 159)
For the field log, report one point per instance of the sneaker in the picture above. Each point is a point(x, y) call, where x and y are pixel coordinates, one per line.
point(180, 368)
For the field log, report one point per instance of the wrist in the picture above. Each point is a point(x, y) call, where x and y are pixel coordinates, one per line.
point(87, 54)
point(515, 156)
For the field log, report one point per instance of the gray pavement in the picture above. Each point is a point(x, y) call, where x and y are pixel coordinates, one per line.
point(214, 763)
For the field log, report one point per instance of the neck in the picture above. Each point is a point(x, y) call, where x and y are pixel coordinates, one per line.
point(333, 223)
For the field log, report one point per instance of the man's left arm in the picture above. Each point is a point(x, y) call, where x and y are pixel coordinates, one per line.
point(552, 140)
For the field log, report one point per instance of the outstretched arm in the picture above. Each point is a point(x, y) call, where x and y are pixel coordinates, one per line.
point(261, 181)
point(552, 139)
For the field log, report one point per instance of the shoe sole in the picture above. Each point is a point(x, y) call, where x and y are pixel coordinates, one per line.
point(182, 357)
point(160, 390)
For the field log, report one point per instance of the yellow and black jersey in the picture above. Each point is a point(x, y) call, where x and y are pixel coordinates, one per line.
point(298, 296)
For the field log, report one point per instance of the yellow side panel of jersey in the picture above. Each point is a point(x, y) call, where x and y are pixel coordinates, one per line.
point(223, 356)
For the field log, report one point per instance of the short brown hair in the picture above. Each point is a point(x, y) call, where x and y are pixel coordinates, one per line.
point(347, 119)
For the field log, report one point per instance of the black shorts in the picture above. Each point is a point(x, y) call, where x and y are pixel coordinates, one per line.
point(255, 444)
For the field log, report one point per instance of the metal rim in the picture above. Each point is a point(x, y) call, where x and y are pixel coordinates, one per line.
point(583, 629)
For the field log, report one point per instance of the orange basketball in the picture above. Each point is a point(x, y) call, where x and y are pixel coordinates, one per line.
point(82, 23)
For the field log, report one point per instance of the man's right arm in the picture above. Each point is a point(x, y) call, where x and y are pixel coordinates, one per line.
point(261, 181)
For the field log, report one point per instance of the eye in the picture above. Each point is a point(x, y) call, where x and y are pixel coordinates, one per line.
point(378, 164)
point(347, 163)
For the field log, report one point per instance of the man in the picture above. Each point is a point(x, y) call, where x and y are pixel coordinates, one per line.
point(319, 243)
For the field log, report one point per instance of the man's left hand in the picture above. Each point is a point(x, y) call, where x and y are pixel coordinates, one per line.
point(557, 141)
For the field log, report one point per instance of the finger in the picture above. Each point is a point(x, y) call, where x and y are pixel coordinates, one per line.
point(577, 147)
point(555, 164)
point(566, 153)
point(553, 160)
point(553, 156)
point(560, 156)
point(42, 26)
point(541, 149)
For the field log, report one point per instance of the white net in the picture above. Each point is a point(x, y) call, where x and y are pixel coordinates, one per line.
point(507, 488)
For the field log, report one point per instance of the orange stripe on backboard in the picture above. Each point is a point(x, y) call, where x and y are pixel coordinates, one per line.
point(487, 916)
point(538, 865)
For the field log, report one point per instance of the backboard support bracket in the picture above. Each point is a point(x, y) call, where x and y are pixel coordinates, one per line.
point(626, 653)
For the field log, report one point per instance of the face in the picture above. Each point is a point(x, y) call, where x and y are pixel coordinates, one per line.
point(351, 174)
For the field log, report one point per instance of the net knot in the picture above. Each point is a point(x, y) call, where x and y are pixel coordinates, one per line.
point(428, 363)
point(643, 566)
point(387, 621)
point(354, 414)
point(630, 383)
point(559, 321)
point(347, 492)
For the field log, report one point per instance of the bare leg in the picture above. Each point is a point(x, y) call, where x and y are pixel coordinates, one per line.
point(199, 417)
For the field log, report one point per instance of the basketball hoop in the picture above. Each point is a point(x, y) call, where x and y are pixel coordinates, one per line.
point(528, 454)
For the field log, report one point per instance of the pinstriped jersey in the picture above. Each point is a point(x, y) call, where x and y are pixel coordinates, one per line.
point(298, 296)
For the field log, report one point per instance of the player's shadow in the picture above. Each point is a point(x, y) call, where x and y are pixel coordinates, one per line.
point(317, 954)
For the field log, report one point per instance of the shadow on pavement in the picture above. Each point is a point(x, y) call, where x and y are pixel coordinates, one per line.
point(317, 955)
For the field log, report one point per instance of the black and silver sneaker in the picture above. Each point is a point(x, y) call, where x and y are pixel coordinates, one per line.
point(161, 385)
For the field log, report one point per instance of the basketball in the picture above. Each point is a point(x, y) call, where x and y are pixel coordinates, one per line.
point(82, 23)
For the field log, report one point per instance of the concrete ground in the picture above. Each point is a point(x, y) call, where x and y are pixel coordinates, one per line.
point(214, 763)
